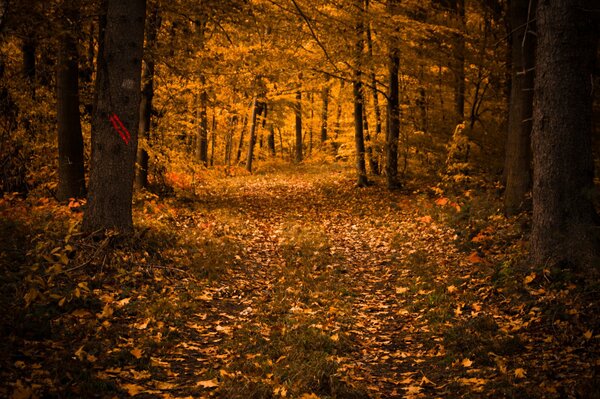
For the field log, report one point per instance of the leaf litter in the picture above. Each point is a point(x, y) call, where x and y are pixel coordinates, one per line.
point(291, 284)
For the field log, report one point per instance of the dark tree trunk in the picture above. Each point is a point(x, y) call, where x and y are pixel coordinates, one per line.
point(213, 138)
point(459, 57)
point(146, 100)
point(298, 113)
point(324, 110)
point(29, 64)
point(518, 143)
point(238, 155)
point(229, 140)
point(338, 113)
point(271, 140)
point(118, 96)
point(256, 111)
point(202, 144)
point(393, 108)
point(357, 90)
point(371, 156)
point(71, 173)
point(565, 226)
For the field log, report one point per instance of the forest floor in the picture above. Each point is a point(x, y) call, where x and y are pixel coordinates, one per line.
point(290, 283)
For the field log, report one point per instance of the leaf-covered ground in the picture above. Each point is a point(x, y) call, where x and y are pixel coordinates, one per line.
point(290, 283)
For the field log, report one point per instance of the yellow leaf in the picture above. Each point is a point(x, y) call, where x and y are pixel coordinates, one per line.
point(142, 325)
point(467, 362)
point(588, 334)
point(107, 311)
point(425, 219)
point(309, 396)
point(451, 289)
point(413, 389)
point(136, 352)
point(426, 380)
point(528, 279)
point(164, 385)
point(401, 290)
point(208, 383)
point(520, 373)
point(335, 337)
point(133, 389)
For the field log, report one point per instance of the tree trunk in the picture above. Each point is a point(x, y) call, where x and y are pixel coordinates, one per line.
point(271, 139)
point(202, 144)
point(565, 226)
point(324, 109)
point(146, 100)
point(29, 64)
point(71, 173)
point(118, 89)
point(357, 89)
point(238, 155)
point(518, 143)
point(298, 113)
point(256, 110)
point(338, 114)
point(213, 138)
point(459, 57)
point(393, 108)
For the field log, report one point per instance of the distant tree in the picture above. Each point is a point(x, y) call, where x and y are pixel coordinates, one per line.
point(565, 225)
point(298, 125)
point(518, 144)
point(116, 118)
point(325, 109)
point(257, 109)
point(71, 173)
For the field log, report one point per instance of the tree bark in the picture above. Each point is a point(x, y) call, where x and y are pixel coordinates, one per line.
point(146, 100)
point(325, 109)
point(256, 110)
point(565, 225)
point(298, 113)
point(393, 108)
point(202, 144)
point(357, 90)
point(518, 143)
point(459, 58)
point(29, 64)
point(71, 173)
point(118, 96)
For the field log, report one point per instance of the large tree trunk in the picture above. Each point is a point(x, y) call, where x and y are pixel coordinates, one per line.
point(393, 108)
point(357, 86)
point(518, 143)
point(118, 96)
point(565, 225)
point(71, 173)
point(29, 64)
point(146, 100)
point(298, 114)
point(459, 58)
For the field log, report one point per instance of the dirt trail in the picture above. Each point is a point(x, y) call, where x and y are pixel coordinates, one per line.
point(369, 241)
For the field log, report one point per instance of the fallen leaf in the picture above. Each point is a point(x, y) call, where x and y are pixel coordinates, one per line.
point(467, 362)
point(142, 325)
point(451, 289)
point(475, 258)
point(208, 383)
point(401, 290)
point(588, 334)
point(528, 279)
point(136, 352)
point(520, 373)
point(133, 389)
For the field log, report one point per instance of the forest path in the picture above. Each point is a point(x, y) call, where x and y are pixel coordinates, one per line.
point(337, 267)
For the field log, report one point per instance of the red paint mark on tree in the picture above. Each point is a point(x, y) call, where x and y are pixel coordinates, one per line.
point(120, 128)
